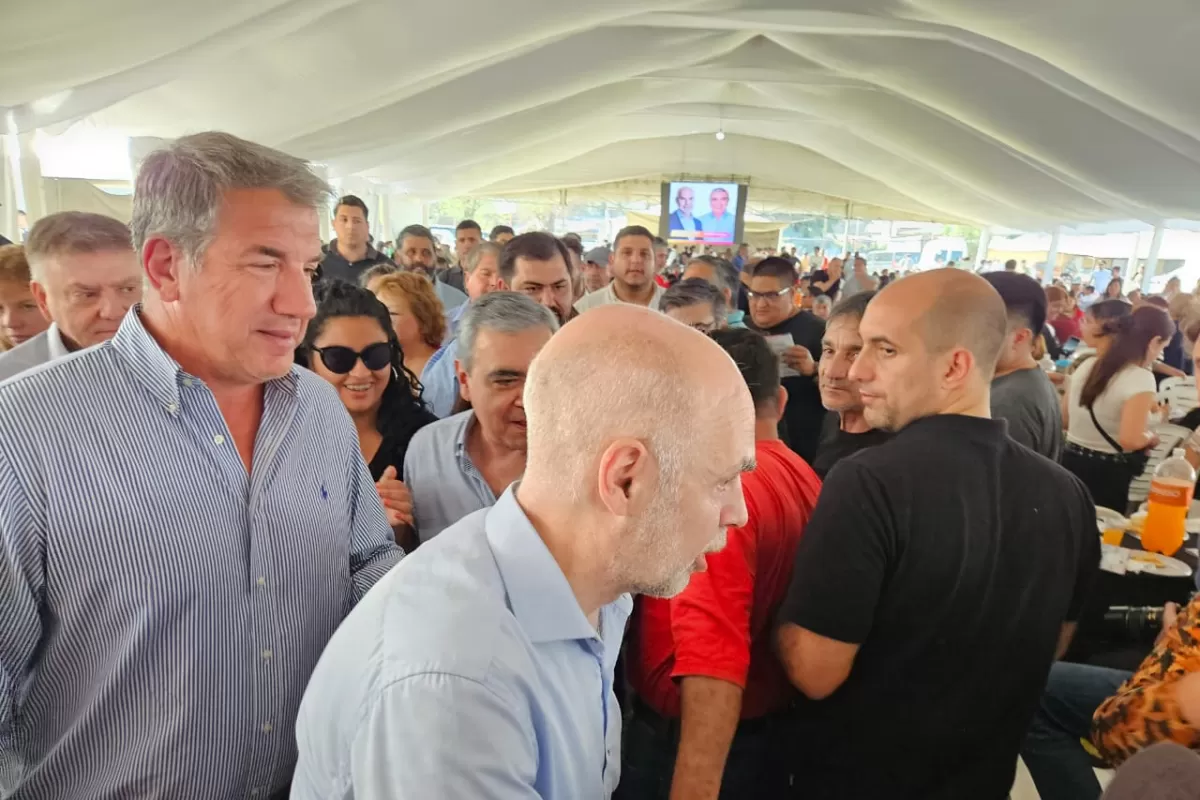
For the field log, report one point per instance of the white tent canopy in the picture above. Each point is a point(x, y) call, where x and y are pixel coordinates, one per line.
point(1021, 113)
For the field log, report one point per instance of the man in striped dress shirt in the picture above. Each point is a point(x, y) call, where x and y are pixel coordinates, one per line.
point(185, 517)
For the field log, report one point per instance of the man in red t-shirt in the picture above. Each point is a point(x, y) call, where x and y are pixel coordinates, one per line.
point(710, 693)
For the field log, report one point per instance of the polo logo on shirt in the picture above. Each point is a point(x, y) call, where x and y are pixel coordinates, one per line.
point(324, 493)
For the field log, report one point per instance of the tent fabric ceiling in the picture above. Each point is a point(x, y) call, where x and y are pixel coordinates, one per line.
point(1020, 113)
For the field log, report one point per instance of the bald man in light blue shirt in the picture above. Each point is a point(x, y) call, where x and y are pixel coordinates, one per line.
point(500, 715)
point(482, 666)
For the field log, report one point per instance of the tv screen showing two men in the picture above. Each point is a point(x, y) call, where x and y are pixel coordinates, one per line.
point(704, 213)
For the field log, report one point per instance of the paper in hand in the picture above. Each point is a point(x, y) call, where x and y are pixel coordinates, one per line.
point(778, 344)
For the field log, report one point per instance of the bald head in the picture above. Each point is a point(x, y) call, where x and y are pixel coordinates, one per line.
point(930, 344)
point(611, 372)
point(954, 308)
point(639, 494)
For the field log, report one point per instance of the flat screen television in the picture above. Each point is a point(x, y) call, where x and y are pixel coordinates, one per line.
point(696, 212)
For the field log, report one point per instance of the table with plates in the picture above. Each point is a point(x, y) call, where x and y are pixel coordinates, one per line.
point(1151, 587)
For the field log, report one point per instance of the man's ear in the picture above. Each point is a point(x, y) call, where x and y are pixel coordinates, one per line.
point(464, 385)
point(626, 477)
point(163, 263)
point(39, 296)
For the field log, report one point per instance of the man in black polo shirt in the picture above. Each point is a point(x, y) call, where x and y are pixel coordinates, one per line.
point(796, 336)
point(938, 576)
point(846, 430)
point(350, 255)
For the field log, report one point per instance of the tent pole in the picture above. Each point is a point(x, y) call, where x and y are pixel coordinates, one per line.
point(1051, 257)
point(981, 251)
point(1152, 258)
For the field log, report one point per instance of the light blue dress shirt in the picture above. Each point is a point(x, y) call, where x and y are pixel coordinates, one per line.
point(439, 381)
point(725, 225)
point(451, 298)
point(445, 485)
point(468, 672)
point(161, 610)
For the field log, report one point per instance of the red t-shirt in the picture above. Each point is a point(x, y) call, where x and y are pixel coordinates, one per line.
point(1065, 327)
point(720, 625)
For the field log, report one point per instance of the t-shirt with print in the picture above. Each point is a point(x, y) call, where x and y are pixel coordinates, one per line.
point(1028, 402)
point(1131, 381)
point(952, 556)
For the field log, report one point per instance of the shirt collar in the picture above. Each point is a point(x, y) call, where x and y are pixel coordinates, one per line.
point(371, 254)
point(161, 374)
point(460, 441)
point(54, 341)
point(538, 592)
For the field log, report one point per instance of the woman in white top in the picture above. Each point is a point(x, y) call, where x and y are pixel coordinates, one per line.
point(1109, 403)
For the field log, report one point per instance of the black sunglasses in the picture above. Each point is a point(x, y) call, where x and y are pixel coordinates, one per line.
point(340, 360)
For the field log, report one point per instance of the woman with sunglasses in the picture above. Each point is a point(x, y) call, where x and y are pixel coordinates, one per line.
point(350, 343)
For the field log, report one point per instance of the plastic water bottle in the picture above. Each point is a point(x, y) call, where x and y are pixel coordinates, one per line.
point(1170, 499)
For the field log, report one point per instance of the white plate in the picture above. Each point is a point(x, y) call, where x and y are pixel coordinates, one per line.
point(1156, 564)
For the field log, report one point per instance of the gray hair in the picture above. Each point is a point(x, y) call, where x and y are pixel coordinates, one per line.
point(471, 262)
point(725, 274)
point(693, 292)
point(179, 189)
point(71, 232)
point(504, 312)
point(376, 271)
point(822, 300)
point(854, 306)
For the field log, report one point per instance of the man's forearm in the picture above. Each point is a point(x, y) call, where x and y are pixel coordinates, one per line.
point(711, 709)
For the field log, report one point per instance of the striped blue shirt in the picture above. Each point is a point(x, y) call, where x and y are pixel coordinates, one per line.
point(161, 610)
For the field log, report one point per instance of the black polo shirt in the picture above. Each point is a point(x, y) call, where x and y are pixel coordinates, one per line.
point(334, 266)
point(952, 555)
point(836, 444)
point(800, 427)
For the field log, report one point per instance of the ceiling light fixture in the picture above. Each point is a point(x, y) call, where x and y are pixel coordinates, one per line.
point(720, 136)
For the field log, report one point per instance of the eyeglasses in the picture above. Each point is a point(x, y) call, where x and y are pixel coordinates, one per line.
point(768, 295)
point(340, 360)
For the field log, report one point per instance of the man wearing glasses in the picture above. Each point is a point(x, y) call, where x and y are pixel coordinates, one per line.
point(796, 336)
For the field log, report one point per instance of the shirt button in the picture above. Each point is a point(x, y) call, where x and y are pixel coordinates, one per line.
point(266, 728)
point(255, 792)
point(188, 381)
point(267, 653)
point(261, 581)
point(218, 439)
point(173, 408)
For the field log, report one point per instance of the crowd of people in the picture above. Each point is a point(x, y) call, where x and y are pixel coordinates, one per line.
point(283, 518)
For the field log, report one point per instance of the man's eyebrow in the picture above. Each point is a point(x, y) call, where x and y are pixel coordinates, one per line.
point(505, 373)
point(747, 465)
point(880, 340)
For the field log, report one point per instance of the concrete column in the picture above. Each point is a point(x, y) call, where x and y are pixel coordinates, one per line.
point(1152, 258)
point(1051, 258)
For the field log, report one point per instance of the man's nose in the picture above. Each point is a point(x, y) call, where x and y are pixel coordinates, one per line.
point(294, 295)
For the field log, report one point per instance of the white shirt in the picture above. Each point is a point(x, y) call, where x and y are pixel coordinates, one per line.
point(1127, 383)
point(608, 296)
point(55, 341)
